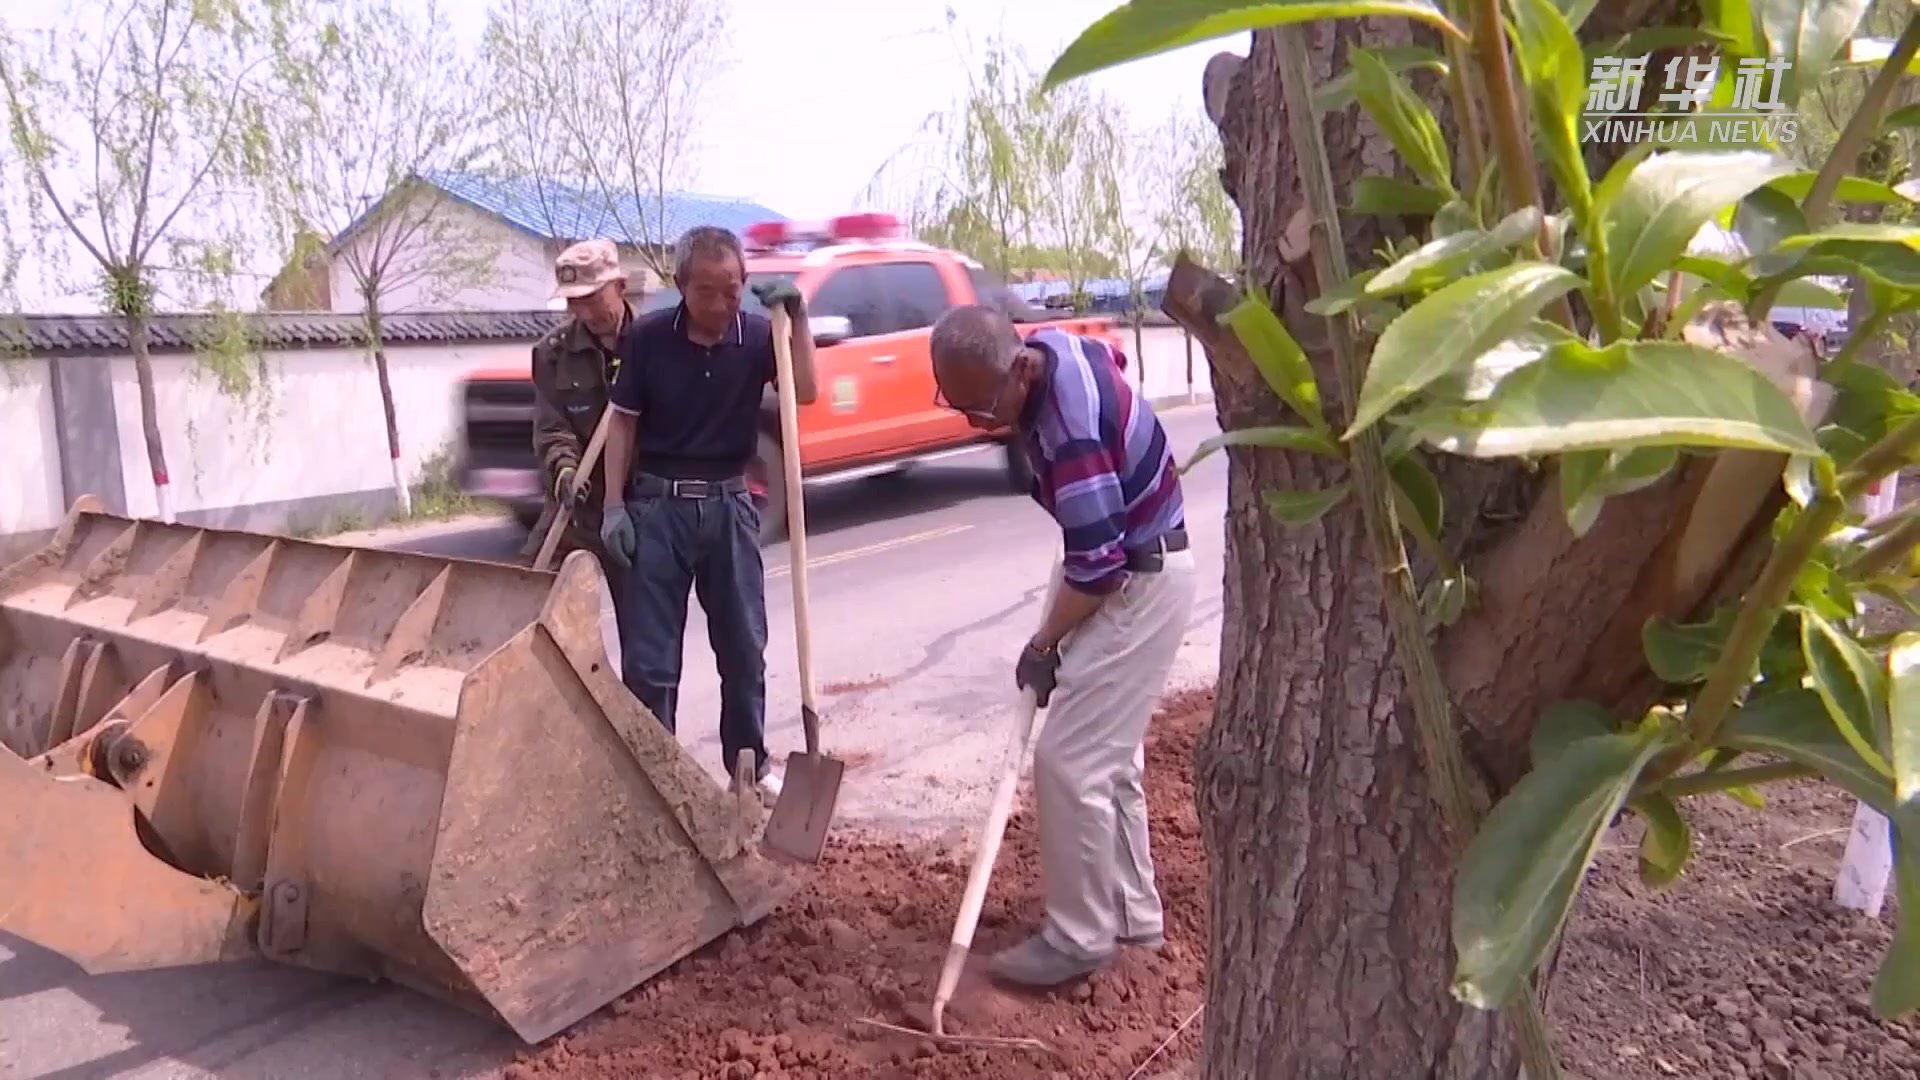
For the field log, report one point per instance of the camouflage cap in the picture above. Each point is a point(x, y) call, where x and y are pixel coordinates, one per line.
point(585, 267)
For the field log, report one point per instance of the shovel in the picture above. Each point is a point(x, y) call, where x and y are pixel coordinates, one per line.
point(582, 476)
point(811, 788)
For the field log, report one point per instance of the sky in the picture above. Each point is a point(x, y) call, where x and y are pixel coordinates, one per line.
point(853, 82)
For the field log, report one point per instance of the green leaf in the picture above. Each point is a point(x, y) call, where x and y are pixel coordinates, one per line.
point(1749, 796)
point(1850, 684)
point(1384, 196)
point(1565, 723)
point(1904, 116)
point(1437, 262)
point(1852, 189)
point(1630, 393)
point(1683, 653)
point(1588, 478)
point(1794, 724)
point(1518, 878)
point(1445, 598)
point(1668, 842)
point(1477, 383)
point(1822, 589)
point(1343, 297)
point(1808, 35)
point(1905, 236)
point(1666, 200)
point(1896, 987)
point(1306, 440)
point(1580, 474)
point(1404, 119)
point(1446, 331)
point(1734, 22)
point(1803, 293)
point(1766, 217)
point(1143, 28)
point(1653, 40)
point(1421, 490)
point(1339, 92)
point(1903, 718)
point(1303, 507)
point(1282, 363)
point(1731, 279)
point(1556, 80)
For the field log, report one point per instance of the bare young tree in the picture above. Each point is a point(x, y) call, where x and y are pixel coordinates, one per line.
point(390, 105)
point(1191, 210)
point(140, 136)
point(527, 66)
point(613, 87)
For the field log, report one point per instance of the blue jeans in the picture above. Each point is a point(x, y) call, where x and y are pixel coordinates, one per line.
point(711, 544)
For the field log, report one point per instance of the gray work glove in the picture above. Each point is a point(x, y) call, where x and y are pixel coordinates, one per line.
point(1038, 670)
point(783, 293)
point(616, 535)
point(563, 488)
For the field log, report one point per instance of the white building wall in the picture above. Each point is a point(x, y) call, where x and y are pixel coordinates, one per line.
point(30, 495)
point(519, 276)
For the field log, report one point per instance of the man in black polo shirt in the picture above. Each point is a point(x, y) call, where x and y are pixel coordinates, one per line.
point(686, 407)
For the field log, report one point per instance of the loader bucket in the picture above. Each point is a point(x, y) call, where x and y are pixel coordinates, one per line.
point(221, 745)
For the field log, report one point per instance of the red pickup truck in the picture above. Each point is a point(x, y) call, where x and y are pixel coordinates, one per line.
point(872, 298)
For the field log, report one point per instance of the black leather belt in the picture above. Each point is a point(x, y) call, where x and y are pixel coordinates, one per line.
point(1152, 558)
point(648, 486)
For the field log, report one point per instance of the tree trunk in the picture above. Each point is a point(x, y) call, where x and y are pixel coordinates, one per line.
point(376, 338)
point(137, 342)
point(1331, 897)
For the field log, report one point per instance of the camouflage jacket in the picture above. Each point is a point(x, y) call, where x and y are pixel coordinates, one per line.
point(572, 375)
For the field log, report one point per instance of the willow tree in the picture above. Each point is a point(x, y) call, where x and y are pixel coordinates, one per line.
point(138, 126)
point(383, 106)
point(629, 131)
point(1462, 333)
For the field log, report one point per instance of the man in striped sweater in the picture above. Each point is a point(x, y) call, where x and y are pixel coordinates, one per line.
point(1115, 615)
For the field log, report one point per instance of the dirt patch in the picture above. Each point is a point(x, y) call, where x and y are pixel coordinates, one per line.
point(781, 1000)
point(1745, 968)
point(855, 686)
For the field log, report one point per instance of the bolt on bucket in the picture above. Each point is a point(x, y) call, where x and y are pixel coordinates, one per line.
point(221, 745)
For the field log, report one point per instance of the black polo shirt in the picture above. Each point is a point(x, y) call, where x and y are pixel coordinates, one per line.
point(698, 405)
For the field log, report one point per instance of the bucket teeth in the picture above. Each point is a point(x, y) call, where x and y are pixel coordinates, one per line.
point(408, 641)
point(320, 613)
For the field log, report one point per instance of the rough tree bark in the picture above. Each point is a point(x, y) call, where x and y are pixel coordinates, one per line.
point(138, 341)
point(1330, 953)
point(377, 340)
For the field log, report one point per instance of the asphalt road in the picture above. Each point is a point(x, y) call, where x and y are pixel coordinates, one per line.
point(922, 587)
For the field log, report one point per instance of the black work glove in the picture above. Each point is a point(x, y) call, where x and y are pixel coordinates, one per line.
point(563, 488)
point(1038, 670)
point(781, 293)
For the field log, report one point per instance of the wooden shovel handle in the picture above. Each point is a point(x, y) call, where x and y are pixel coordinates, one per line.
point(796, 520)
point(582, 476)
point(990, 835)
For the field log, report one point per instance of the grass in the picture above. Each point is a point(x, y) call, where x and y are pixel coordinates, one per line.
point(435, 497)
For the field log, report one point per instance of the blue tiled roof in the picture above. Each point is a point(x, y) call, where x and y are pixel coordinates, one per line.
point(554, 210)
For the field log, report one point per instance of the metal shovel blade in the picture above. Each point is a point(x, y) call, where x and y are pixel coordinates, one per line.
point(808, 793)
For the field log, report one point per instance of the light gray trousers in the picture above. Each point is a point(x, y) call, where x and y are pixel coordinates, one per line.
point(1096, 868)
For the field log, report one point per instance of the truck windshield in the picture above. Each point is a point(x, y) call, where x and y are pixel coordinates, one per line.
point(667, 296)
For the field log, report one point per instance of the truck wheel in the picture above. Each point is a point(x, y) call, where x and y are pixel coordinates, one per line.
point(1019, 471)
point(767, 483)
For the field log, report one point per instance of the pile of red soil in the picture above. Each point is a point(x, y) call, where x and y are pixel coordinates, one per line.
point(782, 1000)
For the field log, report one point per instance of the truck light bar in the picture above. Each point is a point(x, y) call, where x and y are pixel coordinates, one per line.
point(772, 235)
